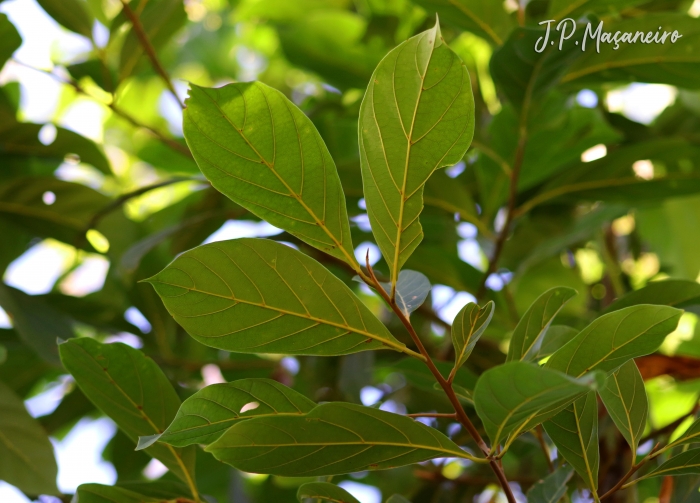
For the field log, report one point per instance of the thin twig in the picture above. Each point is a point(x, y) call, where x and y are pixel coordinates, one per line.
point(150, 51)
point(176, 146)
point(635, 467)
point(545, 448)
point(461, 415)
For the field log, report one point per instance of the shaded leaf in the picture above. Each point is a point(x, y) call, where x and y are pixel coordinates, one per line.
point(412, 288)
point(669, 292)
point(684, 463)
point(486, 18)
point(10, 40)
point(131, 389)
point(26, 454)
point(259, 296)
point(531, 329)
point(160, 19)
point(675, 64)
point(555, 338)
point(615, 338)
point(514, 397)
point(417, 116)
point(397, 498)
point(417, 374)
point(552, 487)
point(98, 493)
point(333, 438)
point(204, 416)
point(625, 399)
point(467, 327)
point(261, 151)
point(575, 433)
point(325, 491)
point(71, 14)
point(559, 9)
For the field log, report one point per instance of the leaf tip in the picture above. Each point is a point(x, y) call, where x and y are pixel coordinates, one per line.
point(147, 441)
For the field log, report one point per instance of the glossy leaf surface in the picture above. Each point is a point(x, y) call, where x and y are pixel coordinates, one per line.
point(532, 327)
point(516, 396)
point(467, 327)
point(258, 296)
point(260, 150)
point(417, 116)
point(26, 454)
point(333, 438)
point(625, 399)
point(131, 389)
point(204, 416)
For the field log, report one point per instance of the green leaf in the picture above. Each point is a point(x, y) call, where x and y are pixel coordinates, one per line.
point(37, 323)
point(412, 288)
point(259, 296)
point(160, 19)
point(418, 375)
point(575, 433)
point(22, 140)
point(552, 487)
point(528, 335)
point(625, 399)
point(417, 116)
point(131, 389)
point(261, 151)
point(675, 64)
point(467, 327)
point(514, 397)
point(333, 438)
point(397, 498)
point(324, 491)
point(98, 493)
point(10, 39)
point(690, 435)
point(486, 18)
point(669, 292)
point(555, 338)
point(96, 70)
point(615, 338)
point(687, 462)
point(204, 416)
point(71, 14)
point(559, 9)
point(26, 454)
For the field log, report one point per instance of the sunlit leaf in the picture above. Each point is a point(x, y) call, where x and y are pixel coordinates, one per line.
point(514, 397)
point(26, 454)
point(552, 487)
point(333, 438)
point(131, 389)
point(532, 327)
point(417, 116)
point(625, 399)
point(324, 491)
point(261, 151)
point(259, 296)
point(575, 433)
point(204, 416)
point(467, 327)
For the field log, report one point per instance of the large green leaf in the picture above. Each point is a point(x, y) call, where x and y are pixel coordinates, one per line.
point(670, 292)
point(132, 492)
point(514, 397)
point(325, 491)
point(160, 19)
point(260, 150)
point(333, 438)
point(528, 335)
point(552, 487)
point(615, 338)
point(486, 18)
point(9, 39)
point(468, 327)
point(133, 391)
point(554, 339)
point(668, 63)
point(575, 433)
point(417, 116)
point(26, 454)
point(685, 463)
point(36, 322)
point(690, 435)
point(625, 399)
point(259, 296)
point(72, 14)
point(204, 416)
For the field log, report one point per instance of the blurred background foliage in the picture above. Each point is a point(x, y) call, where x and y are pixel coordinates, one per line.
point(98, 190)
